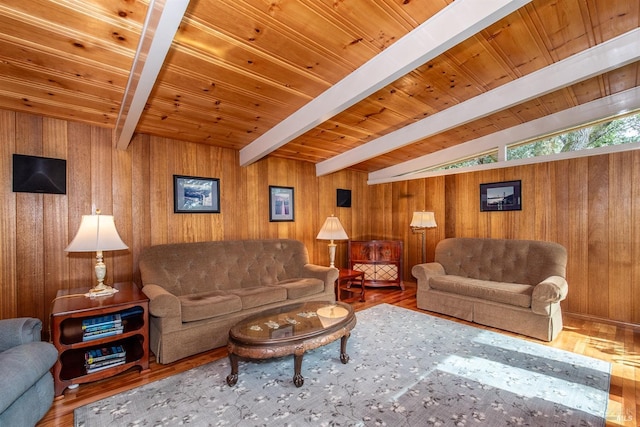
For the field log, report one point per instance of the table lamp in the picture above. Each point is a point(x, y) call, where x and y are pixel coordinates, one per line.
point(332, 230)
point(97, 233)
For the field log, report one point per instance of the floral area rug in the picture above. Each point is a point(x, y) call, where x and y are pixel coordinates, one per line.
point(406, 368)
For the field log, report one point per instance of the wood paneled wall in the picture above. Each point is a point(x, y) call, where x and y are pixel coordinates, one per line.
point(590, 205)
point(136, 186)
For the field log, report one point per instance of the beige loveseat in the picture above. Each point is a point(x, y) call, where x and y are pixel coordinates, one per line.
point(515, 285)
point(197, 291)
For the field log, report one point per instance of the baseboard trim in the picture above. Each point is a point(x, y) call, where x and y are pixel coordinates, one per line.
point(591, 318)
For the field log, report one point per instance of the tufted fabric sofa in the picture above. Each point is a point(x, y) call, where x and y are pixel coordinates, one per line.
point(515, 285)
point(198, 291)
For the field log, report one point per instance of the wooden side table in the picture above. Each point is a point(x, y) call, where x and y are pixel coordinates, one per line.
point(346, 279)
point(71, 308)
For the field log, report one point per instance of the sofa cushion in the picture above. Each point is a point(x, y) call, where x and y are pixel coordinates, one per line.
point(300, 288)
point(259, 295)
point(195, 267)
point(208, 304)
point(502, 260)
point(502, 292)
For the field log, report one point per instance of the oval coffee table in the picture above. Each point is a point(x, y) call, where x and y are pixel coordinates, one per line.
point(292, 329)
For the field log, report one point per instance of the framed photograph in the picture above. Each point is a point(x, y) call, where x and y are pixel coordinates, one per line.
point(500, 196)
point(193, 194)
point(280, 203)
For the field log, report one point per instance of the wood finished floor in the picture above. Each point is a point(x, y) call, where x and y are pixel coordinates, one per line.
point(617, 344)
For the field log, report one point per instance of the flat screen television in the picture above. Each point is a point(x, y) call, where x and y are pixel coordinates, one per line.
point(32, 174)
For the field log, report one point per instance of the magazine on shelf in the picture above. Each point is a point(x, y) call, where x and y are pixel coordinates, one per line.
point(104, 353)
point(88, 332)
point(99, 328)
point(101, 334)
point(104, 362)
point(91, 369)
point(107, 319)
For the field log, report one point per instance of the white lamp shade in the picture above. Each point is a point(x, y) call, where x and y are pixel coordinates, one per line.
point(423, 220)
point(96, 233)
point(332, 230)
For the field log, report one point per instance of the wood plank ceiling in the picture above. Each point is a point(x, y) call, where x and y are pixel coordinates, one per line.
point(238, 68)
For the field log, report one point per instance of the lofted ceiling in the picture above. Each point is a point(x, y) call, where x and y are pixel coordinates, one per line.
point(361, 84)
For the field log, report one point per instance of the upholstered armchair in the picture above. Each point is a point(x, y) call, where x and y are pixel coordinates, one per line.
point(25, 362)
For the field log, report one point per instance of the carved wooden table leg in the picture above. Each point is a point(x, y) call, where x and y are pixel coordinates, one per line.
point(298, 379)
point(232, 378)
point(344, 357)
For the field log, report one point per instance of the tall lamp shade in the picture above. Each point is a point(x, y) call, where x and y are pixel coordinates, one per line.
point(97, 233)
point(332, 230)
point(419, 223)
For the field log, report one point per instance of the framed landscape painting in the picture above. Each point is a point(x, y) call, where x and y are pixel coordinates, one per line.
point(501, 196)
point(280, 203)
point(195, 194)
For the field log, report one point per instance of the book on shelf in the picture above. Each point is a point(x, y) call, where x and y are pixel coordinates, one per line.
point(102, 327)
point(104, 353)
point(130, 312)
point(109, 321)
point(116, 362)
point(105, 362)
point(101, 321)
point(88, 336)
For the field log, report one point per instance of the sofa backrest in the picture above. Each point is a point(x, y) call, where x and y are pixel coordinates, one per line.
point(502, 260)
point(187, 268)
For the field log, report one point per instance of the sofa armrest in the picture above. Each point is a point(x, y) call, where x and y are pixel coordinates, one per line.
point(21, 367)
point(17, 331)
point(162, 303)
point(424, 272)
point(328, 275)
point(550, 291)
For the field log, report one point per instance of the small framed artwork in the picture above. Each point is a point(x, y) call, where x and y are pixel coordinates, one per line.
point(501, 196)
point(193, 194)
point(280, 203)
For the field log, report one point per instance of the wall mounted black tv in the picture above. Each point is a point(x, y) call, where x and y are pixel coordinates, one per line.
point(32, 174)
point(343, 198)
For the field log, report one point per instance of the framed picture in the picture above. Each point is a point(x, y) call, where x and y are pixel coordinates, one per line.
point(196, 195)
point(500, 196)
point(280, 203)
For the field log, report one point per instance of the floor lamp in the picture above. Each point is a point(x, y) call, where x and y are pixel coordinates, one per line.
point(332, 230)
point(419, 224)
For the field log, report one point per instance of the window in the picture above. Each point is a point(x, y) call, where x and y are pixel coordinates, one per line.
point(480, 159)
point(608, 132)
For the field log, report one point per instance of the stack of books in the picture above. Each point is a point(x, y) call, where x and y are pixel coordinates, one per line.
point(102, 326)
point(98, 359)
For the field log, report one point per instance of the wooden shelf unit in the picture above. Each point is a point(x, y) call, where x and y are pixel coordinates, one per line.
point(71, 307)
point(379, 260)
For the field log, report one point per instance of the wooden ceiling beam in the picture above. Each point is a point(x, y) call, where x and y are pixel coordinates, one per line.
point(160, 26)
point(597, 60)
point(609, 106)
point(453, 24)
